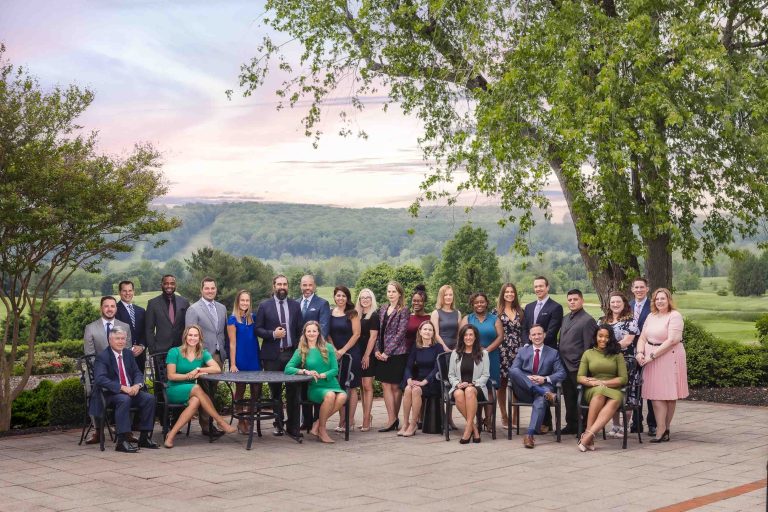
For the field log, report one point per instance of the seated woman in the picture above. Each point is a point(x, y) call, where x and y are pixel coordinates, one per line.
point(185, 364)
point(602, 371)
point(317, 358)
point(468, 373)
point(419, 379)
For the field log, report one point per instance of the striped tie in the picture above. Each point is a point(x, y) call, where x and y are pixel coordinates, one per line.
point(132, 314)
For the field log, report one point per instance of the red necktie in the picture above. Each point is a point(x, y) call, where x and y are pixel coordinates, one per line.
point(121, 371)
point(536, 362)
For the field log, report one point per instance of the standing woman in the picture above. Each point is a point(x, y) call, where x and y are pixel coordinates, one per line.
point(491, 333)
point(418, 316)
point(343, 333)
point(446, 318)
point(367, 311)
point(419, 378)
point(468, 373)
point(243, 347)
point(392, 352)
point(662, 356)
point(510, 314)
point(622, 321)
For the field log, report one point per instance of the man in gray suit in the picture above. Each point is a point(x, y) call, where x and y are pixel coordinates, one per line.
point(211, 316)
point(96, 341)
point(576, 336)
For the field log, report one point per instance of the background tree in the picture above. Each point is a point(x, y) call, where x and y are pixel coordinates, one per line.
point(469, 265)
point(650, 116)
point(748, 274)
point(74, 316)
point(62, 206)
point(376, 278)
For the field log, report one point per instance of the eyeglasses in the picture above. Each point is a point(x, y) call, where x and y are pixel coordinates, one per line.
point(365, 297)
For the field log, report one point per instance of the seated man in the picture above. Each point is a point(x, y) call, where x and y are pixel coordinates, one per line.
point(534, 374)
point(118, 375)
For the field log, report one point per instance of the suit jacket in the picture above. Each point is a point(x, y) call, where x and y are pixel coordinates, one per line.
point(106, 376)
point(95, 336)
point(576, 337)
point(550, 318)
point(320, 311)
point(160, 334)
point(480, 373)
point(643, 313)
point(213, 334)
point(138, 333)
point(549, 363)
point(268, 319)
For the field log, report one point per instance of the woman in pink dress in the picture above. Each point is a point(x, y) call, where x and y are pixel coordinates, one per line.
point(662, 356)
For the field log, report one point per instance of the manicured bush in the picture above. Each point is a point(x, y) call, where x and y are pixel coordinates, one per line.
point(762, 330)
point(30, 409)
point(66, 405)
point(713, 362)
point(47, 363)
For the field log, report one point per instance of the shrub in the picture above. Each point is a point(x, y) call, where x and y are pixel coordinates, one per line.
point(67, 348)
point(47, 363)
point(762, 330)
point(66, 405)
point(713, 362)
point(30, 409)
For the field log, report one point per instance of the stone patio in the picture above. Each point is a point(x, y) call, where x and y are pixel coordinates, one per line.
point(713, 448)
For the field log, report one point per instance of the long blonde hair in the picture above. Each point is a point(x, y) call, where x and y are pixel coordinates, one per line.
point(439, 304)
point(322, 346)
point(359, 305)
point(185, 347)
point(236, 308)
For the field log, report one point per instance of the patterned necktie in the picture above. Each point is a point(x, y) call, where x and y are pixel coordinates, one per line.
point(638, 309)
point(304, 307)
point(132, 314)
point(212, 312)
point(121, 370)
point(536, 311)
point(284, 343)
point(109, 330)
point(536, 362)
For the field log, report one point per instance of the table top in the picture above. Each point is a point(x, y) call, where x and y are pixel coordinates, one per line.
point(256, 377)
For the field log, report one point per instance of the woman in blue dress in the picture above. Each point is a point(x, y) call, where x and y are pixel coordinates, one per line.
point(491, 333)
point(243, 347)
point(343, 333)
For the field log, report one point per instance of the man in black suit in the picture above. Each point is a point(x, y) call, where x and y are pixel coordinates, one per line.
point(165, 318)
point(548, 314)
point(641, 308)
point(120, 379)
point(134, 316)
point(279, 324)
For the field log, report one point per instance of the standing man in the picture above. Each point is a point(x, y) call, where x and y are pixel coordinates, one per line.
point(134, 316)
point(96, 341)
point(279, 325)
point(576, 337)
point(534, 374)
point(641, 308)
point(165, 318)
point(314, 307)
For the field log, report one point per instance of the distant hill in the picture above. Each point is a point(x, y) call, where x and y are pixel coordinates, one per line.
point(271, 231)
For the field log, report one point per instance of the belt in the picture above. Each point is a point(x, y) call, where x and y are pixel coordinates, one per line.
point(287, 349)
point(654, 344)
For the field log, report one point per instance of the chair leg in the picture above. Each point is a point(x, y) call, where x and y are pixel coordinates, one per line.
point(493, 422)
point(624, 421)
point(189, 426)
point(558, 423)
point(509, 414)
point(445, 421)
point(517, 415)
point(346, 420)
point(101, 431)
point(86, 430)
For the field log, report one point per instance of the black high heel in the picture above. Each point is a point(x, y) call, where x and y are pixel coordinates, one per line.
point(665, 436)
point(392, 427)
point(464, 441)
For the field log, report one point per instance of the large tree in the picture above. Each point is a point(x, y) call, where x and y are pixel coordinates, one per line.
point(62, 207)
point(651, 115)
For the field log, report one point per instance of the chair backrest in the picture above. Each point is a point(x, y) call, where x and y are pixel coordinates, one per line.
point(345, 371)
point(86, 373)
point(159, 369)
point(443, 362)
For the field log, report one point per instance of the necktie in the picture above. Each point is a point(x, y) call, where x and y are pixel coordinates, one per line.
point(284, 343)
point(536, 362)
point(638, 309)
point(132, 314)
point(304, 306)
point(171, 312)
point(536, 311)
point(212, 312)
point(109, 330)
point(121, 370)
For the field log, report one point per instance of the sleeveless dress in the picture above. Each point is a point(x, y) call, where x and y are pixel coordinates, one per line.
point(665, 378)
point(178, 390)
point(246, 344)
point(366, 324)
point(511, 342)
point(340, 330)
point(449, 327)
point(487, 330)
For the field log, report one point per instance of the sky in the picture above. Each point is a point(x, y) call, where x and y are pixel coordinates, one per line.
point(160, 70)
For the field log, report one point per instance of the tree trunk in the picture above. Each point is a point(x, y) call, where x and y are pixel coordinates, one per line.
point(658, 262)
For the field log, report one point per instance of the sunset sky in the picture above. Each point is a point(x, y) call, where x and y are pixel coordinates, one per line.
point(160, 70)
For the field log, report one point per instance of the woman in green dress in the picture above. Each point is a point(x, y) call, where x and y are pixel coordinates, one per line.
point(602, 372)
point(317, 358)
point(184, 364)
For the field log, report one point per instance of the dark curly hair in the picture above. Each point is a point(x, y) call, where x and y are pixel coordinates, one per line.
point(613, 347)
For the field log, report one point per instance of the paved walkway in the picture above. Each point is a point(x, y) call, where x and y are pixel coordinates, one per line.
point(714, 448)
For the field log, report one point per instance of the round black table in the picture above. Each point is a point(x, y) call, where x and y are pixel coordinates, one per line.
point(254, 412)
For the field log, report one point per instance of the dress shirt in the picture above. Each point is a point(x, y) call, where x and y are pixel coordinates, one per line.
point(117, 362)
point(287, 318)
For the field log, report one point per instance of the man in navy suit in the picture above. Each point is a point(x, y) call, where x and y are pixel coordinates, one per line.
point(314, 307)
point(121, 381)
point(534, 374)
point(641, 308)
point(279, 325)
point(134, 316)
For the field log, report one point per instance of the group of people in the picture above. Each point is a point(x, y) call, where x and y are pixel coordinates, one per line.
point(531, 348)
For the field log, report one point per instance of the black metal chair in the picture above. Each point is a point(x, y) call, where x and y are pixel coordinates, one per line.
point(345, 377)
point(160, 386)
point(443, 363)
point(85, 363)
point(628, 402)
point(517, 404)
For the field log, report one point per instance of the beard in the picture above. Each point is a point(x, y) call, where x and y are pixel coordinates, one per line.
point(281, 294)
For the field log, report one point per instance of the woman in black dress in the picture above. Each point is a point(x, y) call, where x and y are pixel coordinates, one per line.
point(343, 332)
point(367, 310)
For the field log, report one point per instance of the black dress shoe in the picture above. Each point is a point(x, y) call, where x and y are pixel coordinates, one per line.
point(126, 447)
point(293, 433)
point(278, 432)
point(148, 443)
point(568, 430)
point(394, 426)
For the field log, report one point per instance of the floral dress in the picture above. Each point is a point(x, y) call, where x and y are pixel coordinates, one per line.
point(511, 342)
point(621, 329)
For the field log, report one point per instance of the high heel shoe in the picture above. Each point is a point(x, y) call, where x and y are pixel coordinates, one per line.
point(361, 428)
point(584, 447)
point(663, 439)
point(394, 426)
point(464, 441)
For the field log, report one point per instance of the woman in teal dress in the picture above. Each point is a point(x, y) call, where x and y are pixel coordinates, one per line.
point(491, 334)
point(184, 364)
point(602, 372)
point(317, 358)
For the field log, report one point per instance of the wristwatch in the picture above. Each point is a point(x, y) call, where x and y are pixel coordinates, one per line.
point(653, 355)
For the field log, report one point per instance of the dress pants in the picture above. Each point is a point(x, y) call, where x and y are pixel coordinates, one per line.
point(123, 403)
point(525, 392)
point(571, 399)
point(291, 398)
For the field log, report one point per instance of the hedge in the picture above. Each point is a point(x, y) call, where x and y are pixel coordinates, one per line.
point(30, 409)
point(67, 403)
